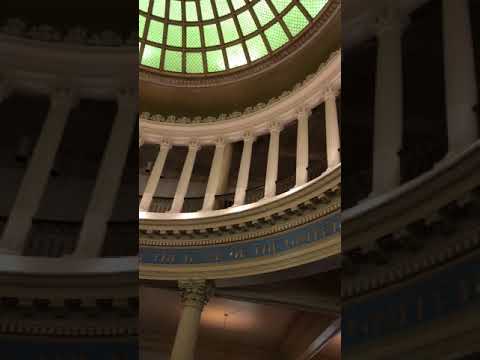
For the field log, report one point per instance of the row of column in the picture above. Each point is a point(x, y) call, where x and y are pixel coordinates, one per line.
point(217, 170)
point(37, 174)
point(460, 86)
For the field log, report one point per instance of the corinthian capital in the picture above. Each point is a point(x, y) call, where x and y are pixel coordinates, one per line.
point(195, 292)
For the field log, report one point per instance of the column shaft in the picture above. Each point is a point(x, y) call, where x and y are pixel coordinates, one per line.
point(154, 178)
point(302, 149)
point(194, 297)
point(37, 174)
point(244, 172)
point(272, 163)
point(461, 93)
point(388, 126)
point(184, 181)
point(214, 177)
point(332, 132)
point(108, 180)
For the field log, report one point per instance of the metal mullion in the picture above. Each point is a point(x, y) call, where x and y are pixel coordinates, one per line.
point(184, 37)
point(303, 10)
point(220, 35)
point(239, 31)
point(279, 19)
point(259, 30)
point(165, 34)
point(203, 47)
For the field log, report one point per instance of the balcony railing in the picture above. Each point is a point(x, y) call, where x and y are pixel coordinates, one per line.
point(224, 201)
point(54, 238)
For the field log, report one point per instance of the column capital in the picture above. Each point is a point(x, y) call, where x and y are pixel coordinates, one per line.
point(220, 142)
point(248, 137)
point(194, 146)
point(275, 127)
point(195, 292)
point(62, 96)
point(126, 93)
point(165, 144)
point(331, 92)
point(391, 20)
point(304, 113)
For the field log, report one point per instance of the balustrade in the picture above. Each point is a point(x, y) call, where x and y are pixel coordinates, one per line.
point(213, 200)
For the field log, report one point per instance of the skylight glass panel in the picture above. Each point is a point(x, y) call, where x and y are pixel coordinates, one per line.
point(194, 63)
point(174, 36)
point(211, 36)
point(313, 6)
point(206, 9)
point(236, 56)
point(159, 8)
point(175, 10)
point(155, 31)
point(295, 21)
point(191, 11)
point(229, 30)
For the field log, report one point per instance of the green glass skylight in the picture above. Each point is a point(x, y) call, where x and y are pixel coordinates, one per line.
point(213, 36)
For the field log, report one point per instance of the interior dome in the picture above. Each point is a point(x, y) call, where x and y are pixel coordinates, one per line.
point(199, 37)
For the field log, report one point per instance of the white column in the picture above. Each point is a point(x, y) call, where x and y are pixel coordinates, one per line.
point(332, 132)
point(184, 181)
point(153, 180)
point(141, 141)
point(37, 174)
point(214, 177)
point(244, 172)
point(225, 171)
point(272, 162)
point(461, 93)
point(302, 147)
point(108, 180)
point(195, 295)
point(388, 122)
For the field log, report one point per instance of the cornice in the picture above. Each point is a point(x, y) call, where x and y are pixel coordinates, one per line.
point(415, 218)
point(331, 65)
point(77, 35)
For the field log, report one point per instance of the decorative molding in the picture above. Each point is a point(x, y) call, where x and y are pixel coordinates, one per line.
point(77, 35)
point(325, 66)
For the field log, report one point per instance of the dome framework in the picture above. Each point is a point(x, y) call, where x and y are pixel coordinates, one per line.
point(200, 37)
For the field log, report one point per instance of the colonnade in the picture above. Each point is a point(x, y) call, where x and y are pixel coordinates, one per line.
point(219, 160)
point(460, 86)
point(36, 177)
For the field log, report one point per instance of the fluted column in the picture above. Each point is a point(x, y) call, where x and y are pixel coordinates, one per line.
point(244, 172)
point(37, 174)
point(214, 177)
point(154, 178)
point(302, 147)
point(460, 80)
point(195, 295)
point(388, 122)
point(108, 180)
point(332, 132)
point(184, 181)
point(272, 162)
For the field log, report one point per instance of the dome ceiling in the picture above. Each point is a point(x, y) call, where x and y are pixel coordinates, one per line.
point(200, 37)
